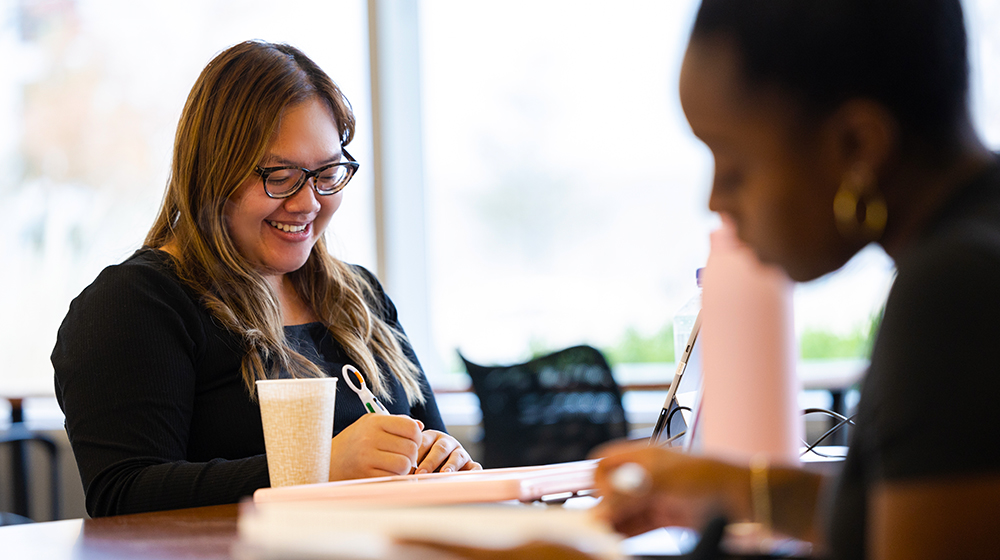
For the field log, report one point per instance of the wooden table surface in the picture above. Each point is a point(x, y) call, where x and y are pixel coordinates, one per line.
point(192, 534)
point(197, 533)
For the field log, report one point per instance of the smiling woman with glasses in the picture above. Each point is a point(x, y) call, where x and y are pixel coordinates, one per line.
point(156, 361)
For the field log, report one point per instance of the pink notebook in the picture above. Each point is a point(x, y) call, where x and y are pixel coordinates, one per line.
point(490, 485)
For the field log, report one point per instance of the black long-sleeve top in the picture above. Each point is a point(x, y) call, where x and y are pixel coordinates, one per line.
point(156, 408)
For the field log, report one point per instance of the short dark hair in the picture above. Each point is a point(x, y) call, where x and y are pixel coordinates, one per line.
point(909, 55)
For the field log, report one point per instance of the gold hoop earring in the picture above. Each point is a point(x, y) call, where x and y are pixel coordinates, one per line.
point(858, 207)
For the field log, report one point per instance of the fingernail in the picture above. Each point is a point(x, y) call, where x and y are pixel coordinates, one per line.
point(448, 469)
point(421, 471)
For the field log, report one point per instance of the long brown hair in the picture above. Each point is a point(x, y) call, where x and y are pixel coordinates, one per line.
point(229, 119)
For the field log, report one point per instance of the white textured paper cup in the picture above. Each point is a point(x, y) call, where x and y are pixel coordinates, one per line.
point(297, 415)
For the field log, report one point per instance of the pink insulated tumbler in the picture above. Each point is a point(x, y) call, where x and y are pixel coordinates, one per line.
point(750, 390)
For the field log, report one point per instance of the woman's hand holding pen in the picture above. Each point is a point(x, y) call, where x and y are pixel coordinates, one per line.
point(376, 445)
point(381, 447)
point(440, 452)
point(385, 445)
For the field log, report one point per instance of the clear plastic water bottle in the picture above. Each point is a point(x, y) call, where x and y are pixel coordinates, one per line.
point(685, 318)
point(684, 321)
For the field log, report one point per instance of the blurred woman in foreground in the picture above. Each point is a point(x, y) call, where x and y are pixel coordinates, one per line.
point(835, 124)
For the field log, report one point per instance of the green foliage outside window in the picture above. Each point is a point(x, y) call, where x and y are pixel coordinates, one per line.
point(817, 344)
point(634, 348)
point(814, 344)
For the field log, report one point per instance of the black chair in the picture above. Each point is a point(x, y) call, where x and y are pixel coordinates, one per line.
point(17, 437)
point(551, 409)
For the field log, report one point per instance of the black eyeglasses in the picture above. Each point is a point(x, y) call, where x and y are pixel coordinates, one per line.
point(286, 180)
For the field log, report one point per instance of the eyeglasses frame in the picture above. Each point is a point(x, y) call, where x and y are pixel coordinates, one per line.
point(351, 164)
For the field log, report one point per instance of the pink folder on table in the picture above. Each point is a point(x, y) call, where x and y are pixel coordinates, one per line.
point(490, 485)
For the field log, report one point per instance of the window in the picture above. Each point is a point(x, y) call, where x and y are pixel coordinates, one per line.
point(566, 196)
point(89, 102)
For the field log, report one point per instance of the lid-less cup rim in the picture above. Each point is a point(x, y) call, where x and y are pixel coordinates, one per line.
point(298, 379)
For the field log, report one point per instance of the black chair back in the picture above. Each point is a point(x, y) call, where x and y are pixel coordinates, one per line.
point(18, 438)
point(551, 409)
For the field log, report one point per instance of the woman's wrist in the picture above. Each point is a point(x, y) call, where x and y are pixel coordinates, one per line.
point(760, 491)
point(741, 506)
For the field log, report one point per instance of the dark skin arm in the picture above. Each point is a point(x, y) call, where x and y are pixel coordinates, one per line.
point(955, 518)
point(683, 490)
point(688, 491)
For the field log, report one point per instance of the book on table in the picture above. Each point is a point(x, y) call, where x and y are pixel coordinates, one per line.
point(490, 485)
